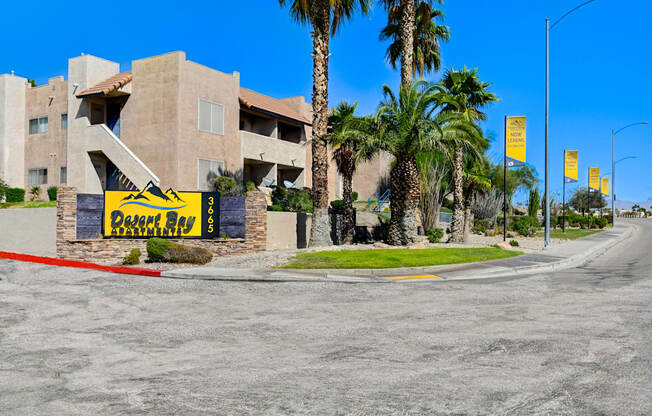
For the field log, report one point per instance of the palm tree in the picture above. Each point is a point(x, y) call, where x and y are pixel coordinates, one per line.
point(325, 18)
point(426, 39)
point(462, 92)
point(405, 127)
point(403, 12)
point(350, 139)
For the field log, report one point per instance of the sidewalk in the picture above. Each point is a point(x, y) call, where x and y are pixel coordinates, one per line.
point(570, 254)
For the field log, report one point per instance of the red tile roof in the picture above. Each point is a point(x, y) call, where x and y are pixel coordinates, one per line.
point(255, 101)
point(108, 85)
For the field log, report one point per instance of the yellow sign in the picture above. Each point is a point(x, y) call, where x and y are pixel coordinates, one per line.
point(570, 166)
point(515, 138)
point(604, 186)
point(594, 179)
point(154, 213)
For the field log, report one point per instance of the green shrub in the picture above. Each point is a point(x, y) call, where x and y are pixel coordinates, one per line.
point(448, 204)
point(481, 226)
point(132, 258)
point(160, 250)
point(250, 186)
point(156, 248)
point(292, 200)
point(227, 186)
point(274, 208)
point(15, 194)
point(434, 234)
point(525, 225)
point(52, 193)
point(513, 243)
point(600, 222)
point(354, 196)
point(338, 206)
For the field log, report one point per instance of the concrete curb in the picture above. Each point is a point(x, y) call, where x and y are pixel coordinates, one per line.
point(379, 275)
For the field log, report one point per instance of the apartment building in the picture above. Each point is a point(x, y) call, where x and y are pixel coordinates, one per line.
point(169, 120)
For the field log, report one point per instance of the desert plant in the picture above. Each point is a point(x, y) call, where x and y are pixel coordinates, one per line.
point(132, 258)
point(156, 248)
point(15, 194)
point(487, 205)
point(513, 243)
point(354, 196)
point(250, 186)
point(435, 234)
point(3, 189)
point(432, 172)
point(533, 202)
point(34, 193)
point(52, 193)
point(292, 200)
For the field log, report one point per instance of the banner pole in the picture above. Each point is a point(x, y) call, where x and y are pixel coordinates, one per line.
point(563, 198)
point(505, 186)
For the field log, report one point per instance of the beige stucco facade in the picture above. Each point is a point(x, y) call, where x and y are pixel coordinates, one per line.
point(149, 124)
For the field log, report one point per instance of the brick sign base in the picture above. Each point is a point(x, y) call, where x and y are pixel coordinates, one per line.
point(109, 250)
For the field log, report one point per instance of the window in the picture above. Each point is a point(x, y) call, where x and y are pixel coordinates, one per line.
point(37, 177)
point(211, 117)
point(63, 175)
point(38, 125)
point(207, 170)
point(64, 121)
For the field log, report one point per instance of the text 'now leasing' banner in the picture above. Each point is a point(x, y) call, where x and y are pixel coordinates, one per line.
point(515, 141)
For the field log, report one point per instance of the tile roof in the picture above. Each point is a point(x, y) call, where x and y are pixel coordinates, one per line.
point(255, 101)
point(108, 85)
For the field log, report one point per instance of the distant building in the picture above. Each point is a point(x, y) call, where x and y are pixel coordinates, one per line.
point(169, 120)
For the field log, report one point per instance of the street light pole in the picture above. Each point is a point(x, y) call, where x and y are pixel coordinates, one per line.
point(613, 169)
point(546, 243)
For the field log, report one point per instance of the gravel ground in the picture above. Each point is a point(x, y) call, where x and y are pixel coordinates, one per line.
point(84, 342)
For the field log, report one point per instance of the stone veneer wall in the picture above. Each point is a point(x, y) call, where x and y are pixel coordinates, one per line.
point(113, 250)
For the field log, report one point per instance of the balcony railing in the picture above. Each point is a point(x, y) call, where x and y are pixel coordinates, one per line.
point(272, 150)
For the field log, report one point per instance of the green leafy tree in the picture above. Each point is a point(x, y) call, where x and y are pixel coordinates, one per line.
point(325, 17)
point(524, 178)
point(427, 37)
point(408, 125)
point(462, 92)
point(350, 139)
point(580, 196)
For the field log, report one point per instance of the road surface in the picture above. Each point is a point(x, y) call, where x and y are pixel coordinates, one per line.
point(86, 342)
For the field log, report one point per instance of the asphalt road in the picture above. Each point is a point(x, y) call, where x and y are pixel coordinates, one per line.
point(85, 342)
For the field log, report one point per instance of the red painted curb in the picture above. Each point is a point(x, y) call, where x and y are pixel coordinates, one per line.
point(79, 264)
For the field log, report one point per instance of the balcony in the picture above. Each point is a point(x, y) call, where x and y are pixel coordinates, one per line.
point(271, 150)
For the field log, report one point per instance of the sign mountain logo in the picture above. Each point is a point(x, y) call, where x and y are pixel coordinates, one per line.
point(157, 199)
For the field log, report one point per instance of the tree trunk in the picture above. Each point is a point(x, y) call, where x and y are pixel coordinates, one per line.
point(320, 232)
point(404, 202)
point(468, 199)
point(457, 223)
point(349, 220)
point(406, 33)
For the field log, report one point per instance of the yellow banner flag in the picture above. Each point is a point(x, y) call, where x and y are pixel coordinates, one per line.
point(515, 139)
point(604, 186)
point(570, 166)
point(594, 179)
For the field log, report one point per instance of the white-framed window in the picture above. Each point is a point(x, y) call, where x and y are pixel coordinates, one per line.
point(37, 176)
point(38, 125)
point(211, 117)
point(64, 121)
point(207, 170)
point(63, 175)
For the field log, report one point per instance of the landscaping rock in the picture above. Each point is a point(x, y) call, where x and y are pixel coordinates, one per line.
point(420, 245)
point(382, 245)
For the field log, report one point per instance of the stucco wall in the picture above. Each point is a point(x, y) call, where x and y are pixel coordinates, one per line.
point(12, 129)
point(368, 174)
point(28, 231)
point(47, 150)
point(287, 230)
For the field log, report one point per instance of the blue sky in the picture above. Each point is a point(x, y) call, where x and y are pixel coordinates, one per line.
point(600, 61)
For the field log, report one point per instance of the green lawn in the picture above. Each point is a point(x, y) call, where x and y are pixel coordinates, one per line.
point(391, 258)
point(28, 204)
point(570, 234)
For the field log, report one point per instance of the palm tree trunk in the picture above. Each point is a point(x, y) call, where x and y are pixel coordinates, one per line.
point(406, 33)
point(349, 220)
point(320, 232)
point(468, 199)
point(404, 202)
point(457, 223)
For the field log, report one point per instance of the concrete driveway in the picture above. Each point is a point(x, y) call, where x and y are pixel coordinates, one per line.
point(85, 342)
